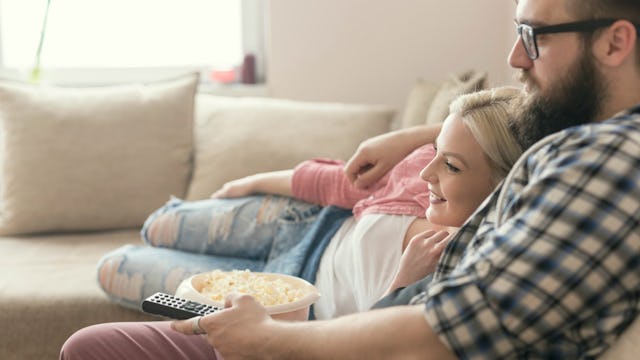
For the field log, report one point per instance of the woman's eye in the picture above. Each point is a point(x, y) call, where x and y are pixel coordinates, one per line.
point(451, 167)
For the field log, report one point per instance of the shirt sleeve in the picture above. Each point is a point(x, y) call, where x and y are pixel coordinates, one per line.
point(323, 181)
point(559, 277)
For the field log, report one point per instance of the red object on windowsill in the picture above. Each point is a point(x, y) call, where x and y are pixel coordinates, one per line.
point(248, 69)
point(223, 76)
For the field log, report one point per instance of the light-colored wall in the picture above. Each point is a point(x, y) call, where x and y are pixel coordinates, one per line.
point(372, 51)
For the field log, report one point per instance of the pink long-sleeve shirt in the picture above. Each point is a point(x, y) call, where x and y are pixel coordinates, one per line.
point(400, 192)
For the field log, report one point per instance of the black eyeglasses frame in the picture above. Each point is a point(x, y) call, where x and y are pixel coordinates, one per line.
point(576, 26)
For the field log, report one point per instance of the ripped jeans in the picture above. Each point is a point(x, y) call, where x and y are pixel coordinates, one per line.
point(189, 237)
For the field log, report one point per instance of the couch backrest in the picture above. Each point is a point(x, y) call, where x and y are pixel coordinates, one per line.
point(236, 137)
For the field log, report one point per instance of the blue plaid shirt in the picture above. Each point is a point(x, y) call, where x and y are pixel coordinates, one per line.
point(549, 266)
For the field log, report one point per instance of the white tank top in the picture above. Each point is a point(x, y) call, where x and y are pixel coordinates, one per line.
point(359, 263)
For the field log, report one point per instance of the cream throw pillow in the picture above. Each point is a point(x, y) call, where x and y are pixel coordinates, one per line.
point(75, 159)
point(236, 137)
point(428, 101)
point(418, 102)
point(450, 90)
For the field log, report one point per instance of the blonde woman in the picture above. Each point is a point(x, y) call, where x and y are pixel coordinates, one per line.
point(460, 177)
point(354, 260)
point(372, 252)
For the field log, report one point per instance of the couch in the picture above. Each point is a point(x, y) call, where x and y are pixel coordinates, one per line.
point(81, 168)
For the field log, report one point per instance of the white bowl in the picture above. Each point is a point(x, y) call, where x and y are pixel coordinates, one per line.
point(190, 289)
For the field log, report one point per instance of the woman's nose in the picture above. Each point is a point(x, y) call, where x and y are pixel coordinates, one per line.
point(427, 174)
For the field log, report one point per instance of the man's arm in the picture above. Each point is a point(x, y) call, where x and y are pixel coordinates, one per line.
point(246, 331)
point(400, 332)
point(376, 156)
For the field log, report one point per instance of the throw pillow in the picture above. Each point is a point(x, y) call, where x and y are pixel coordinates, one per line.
point(418, 103)
point(449, 90)
point(77, 159)
point(236, 137)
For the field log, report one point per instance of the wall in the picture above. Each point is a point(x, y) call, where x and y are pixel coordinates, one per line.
point(371, 51)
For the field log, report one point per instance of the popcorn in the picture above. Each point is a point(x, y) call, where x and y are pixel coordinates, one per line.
point(266, 290)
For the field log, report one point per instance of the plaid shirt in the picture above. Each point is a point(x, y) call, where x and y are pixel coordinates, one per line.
point(549, 266)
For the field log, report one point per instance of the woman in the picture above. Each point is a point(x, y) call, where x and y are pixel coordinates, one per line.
point(353, 265)
point(475, 150)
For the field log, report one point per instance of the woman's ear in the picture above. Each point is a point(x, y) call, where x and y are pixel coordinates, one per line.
point(616, 44)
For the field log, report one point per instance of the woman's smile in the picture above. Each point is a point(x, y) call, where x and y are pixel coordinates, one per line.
point(435, 199)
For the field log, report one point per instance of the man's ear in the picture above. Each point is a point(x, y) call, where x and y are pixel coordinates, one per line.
point(616, 44)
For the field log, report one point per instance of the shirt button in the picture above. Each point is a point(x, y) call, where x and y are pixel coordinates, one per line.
point(483, 267)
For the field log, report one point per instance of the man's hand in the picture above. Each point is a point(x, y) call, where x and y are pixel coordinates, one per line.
point(238, 331)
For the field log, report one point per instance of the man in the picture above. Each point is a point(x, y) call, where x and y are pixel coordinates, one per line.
point(551, 269)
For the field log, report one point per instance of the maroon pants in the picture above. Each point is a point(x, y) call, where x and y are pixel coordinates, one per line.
point(135, 340)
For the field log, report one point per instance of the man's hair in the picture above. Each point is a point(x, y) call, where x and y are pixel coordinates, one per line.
point(600, 9)
point(608, 9)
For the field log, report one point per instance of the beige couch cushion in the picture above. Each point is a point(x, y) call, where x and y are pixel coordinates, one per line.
point(236, 137)
point(92, 158)
point(428, 101)
point(450, 90)
point(48, 290)
point(418, 103)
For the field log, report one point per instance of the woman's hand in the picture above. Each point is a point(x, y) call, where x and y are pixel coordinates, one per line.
point(377, 155)
point(236, 188)
point(420, 257)
point(275, 182)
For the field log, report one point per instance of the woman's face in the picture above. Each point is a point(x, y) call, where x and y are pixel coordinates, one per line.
point(459, 176)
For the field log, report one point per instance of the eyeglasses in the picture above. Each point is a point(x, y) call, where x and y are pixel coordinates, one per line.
point(528, 33)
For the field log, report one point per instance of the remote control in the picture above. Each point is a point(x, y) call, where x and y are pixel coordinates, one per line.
point(175, 307)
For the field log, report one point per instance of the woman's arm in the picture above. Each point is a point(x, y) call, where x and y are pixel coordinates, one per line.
point(275, 182)
point(376, 156)
point(323, 181)
point(319, 181)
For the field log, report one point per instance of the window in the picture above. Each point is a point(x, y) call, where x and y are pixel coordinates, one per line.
point(98, 41)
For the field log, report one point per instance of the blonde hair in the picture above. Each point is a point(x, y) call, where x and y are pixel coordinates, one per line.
point(488, 116)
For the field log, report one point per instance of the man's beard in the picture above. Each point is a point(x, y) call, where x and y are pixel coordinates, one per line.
point(576, 99)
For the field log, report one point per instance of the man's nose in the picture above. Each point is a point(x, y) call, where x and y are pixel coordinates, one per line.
point(518, 58)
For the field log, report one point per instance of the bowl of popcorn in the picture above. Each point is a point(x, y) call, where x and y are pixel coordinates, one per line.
point(285, 297)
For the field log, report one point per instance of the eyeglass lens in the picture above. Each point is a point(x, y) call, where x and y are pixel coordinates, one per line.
point(529, 41)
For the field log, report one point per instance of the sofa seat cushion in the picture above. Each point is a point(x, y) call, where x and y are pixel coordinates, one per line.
point(48, 290)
